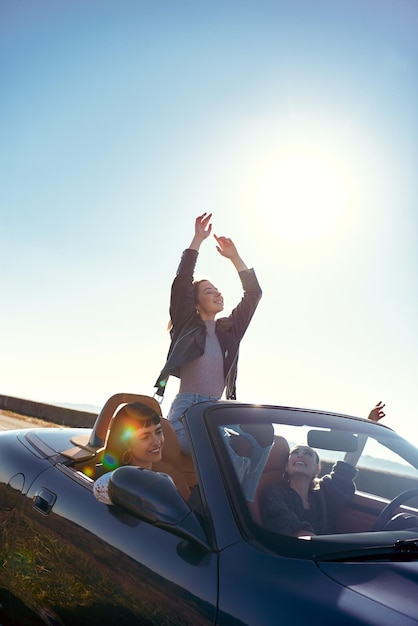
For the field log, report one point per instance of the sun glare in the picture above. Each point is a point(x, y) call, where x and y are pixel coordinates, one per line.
point(301, 196)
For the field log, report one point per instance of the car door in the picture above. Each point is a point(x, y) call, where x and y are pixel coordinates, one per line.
point(79, 561)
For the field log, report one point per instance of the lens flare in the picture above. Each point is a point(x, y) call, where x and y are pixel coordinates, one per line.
point(110, 461)
point(128, 433)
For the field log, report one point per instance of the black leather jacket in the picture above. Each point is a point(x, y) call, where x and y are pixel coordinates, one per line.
point(188, 333)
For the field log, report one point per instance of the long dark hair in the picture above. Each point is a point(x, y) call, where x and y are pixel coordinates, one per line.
point(195, 284)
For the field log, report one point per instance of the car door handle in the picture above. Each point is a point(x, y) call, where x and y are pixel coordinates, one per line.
point(44, 500)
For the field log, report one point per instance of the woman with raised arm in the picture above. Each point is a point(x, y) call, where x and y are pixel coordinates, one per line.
point(304, 505)
point(204, 350)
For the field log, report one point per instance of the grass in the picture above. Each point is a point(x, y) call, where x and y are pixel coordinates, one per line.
point(28, 419)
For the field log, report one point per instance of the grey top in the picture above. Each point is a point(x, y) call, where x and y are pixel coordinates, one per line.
point(205, 375)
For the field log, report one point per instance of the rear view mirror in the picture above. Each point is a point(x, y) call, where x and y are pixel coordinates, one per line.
point(332, 440)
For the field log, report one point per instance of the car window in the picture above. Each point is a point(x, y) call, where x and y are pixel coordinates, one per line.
point(362, 467)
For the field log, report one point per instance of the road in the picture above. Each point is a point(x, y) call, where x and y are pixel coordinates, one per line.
point(11, 421)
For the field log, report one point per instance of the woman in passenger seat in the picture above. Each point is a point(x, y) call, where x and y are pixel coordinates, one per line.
point(305, 505)
point(135, 438)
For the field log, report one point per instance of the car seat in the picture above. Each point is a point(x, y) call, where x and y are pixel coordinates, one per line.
point(188, 469)
point(171, 461)
point(272, 474)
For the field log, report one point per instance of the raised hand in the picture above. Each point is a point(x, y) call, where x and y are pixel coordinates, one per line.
point(202, 230)
point(226, 247)
point(377, 413)
point(203, 227)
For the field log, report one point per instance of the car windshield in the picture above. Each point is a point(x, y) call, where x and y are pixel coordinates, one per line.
point(315, 476)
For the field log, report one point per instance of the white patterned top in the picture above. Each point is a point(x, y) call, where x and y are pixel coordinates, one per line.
point(101, 487)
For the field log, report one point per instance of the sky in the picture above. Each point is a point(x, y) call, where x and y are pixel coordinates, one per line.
point(294, 123)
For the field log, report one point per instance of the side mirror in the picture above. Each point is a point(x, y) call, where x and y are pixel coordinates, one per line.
point(153, 498)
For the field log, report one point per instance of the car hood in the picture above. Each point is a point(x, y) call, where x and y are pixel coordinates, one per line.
point(391, 584)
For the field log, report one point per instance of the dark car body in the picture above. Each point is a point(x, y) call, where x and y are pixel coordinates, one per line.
point(196, 552)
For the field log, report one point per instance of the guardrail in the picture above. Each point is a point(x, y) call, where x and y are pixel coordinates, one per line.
point(57, 414)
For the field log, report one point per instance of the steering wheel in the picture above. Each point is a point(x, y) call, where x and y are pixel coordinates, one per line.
point(386, 513)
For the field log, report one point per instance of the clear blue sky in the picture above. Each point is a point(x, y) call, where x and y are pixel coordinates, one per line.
point(295, 123)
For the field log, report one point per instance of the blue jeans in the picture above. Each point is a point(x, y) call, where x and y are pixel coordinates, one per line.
point(181, 402)
point(248, 469)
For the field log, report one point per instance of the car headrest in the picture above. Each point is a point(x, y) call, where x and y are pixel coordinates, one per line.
point(171, 459)
point(278, 457)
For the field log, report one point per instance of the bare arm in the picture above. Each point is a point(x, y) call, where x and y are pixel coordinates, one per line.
point(375, 415)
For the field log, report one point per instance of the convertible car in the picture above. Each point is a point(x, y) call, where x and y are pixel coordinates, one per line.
point(185, 545)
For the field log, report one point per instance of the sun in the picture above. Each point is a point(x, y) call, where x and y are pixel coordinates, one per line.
point(302, 195)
